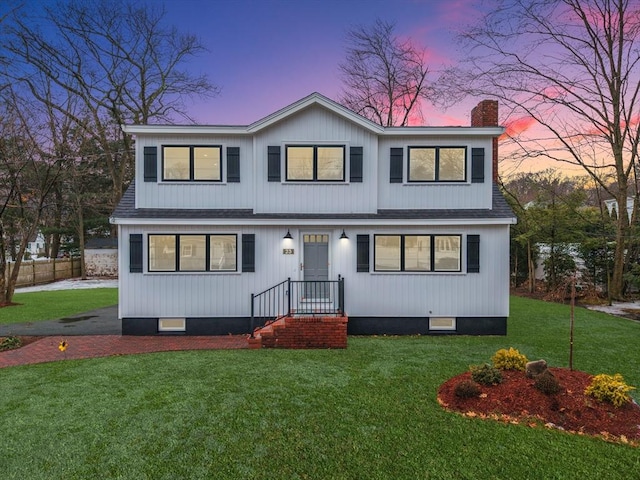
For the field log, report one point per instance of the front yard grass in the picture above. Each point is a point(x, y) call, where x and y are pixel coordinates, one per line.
point(367, 412)
point(50, 305)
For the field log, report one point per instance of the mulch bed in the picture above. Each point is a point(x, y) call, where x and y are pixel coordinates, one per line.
point(24, 339)
point(516, 400)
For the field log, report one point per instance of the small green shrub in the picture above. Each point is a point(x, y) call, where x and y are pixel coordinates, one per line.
point(485, 374)
point(547, 383)
point(9, 343)
point(510, 359)
point(609, 388)
point(467, 389)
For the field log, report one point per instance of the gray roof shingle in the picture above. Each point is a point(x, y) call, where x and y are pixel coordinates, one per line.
point(126, 210)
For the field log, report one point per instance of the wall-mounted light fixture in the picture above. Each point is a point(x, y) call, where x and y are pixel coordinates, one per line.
point(288, 235)
point(344, 236)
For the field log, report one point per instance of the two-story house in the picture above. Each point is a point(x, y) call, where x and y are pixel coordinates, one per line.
point(409, 218)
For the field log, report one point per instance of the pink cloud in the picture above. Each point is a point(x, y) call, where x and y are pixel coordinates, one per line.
point(517, 126)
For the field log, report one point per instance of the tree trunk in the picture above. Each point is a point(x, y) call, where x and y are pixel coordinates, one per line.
point(531, 267)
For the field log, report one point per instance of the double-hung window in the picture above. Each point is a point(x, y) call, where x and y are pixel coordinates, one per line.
point(315, 163)
point(437, 164)
point(193, 253)
point(417, 253)
point(192, 163)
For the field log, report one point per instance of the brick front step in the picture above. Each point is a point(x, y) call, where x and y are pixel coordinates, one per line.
point(302, 332)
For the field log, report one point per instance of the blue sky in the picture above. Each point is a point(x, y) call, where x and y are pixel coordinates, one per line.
point(266, 54)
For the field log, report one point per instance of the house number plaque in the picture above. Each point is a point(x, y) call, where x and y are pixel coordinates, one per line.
point(287, 251)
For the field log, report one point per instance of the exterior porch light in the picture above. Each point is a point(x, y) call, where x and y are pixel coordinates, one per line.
point(288, 235)
point(344, 236)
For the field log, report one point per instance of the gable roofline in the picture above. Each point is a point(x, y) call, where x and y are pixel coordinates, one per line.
point(314, 99)
point(302, 104)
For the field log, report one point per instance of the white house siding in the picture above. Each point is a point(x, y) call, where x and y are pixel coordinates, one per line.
point(312, 127)
point(370, 294)
point(437, 195)
point(478, 301)
point(193, 194)
point(377, 294)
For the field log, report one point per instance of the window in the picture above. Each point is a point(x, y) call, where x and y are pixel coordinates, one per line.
point(437, 164)
point(198, 253)
point(417, 253)
point(196, 164)
point(172, 325)
point(315, 163)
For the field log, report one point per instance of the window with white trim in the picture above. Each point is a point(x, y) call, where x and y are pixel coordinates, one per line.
point(437, 164)
point(315, 163)
point(417, 253)
point(192, 163)
point(193, 253)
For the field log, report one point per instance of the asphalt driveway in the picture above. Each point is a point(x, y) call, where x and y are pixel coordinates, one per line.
point(103, 321)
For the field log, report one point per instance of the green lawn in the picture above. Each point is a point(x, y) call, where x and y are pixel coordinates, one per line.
point(367, 412)
point(49, 305)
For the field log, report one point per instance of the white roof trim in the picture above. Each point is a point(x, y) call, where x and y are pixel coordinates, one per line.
point(184, 129)
point(445, 131)
point(314, 99)
point(315, 222)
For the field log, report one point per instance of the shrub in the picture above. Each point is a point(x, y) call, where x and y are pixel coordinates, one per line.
point(467, 389)
point(9, 343)
point(485, 374)
point(608, 388)
point(510, 359)
point(547, 383)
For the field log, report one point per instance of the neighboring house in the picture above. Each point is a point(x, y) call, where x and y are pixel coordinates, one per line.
point(35, 245)
point(101, 257)
point(410, 219)
point(612, 206)
point(544, 250)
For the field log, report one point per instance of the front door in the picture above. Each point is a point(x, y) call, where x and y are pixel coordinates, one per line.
point(316, 265)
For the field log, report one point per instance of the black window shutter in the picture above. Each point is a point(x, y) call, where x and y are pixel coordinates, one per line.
point(362, 253)
point(473, 253)
point(477, 165)
point(233, 164)
point(248, 252)
point(273, 158)
point(135, 253)
point(395, 165)
point(150, 164)
point(355, 162)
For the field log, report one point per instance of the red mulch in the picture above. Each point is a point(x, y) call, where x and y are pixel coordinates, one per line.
point(517, 400)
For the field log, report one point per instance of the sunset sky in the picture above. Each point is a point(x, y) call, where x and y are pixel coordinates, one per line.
point(266, 54)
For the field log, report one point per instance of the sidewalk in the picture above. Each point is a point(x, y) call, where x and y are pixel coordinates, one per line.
point(92, 346)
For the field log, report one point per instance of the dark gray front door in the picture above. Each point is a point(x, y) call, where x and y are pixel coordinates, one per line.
point(316, 264)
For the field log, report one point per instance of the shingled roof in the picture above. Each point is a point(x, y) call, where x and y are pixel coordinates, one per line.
point(126, 211)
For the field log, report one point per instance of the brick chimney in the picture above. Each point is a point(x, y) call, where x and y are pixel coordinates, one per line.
point(485, 114)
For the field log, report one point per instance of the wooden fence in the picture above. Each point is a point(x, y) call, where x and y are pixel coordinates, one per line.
point(45, 271)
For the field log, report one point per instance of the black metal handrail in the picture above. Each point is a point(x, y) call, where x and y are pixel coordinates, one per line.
point(297, 297)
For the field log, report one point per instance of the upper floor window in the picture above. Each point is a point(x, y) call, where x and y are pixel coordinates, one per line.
point(315, 163)
point(417, 253)
point(437, 164)
point(192, 164)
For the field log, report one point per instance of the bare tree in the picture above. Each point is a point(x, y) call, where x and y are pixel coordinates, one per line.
point(26, 178)
point(118, 62)
point(573, 67)
point(385, 79)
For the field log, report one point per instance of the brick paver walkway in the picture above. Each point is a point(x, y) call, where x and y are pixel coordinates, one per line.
point(90, 346)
